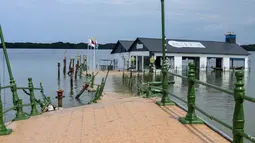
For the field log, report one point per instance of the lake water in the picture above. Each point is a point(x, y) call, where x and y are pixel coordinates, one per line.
point(41, 65)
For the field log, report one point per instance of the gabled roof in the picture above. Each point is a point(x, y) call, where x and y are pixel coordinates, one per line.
point(211, 47)
point(121, 46)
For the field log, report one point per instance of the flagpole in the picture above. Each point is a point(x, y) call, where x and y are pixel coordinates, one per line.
point(95, 58)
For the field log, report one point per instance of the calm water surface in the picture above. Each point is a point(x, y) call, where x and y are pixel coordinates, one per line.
point(41, 65)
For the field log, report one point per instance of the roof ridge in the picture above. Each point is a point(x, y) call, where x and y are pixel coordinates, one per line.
point(183, 39)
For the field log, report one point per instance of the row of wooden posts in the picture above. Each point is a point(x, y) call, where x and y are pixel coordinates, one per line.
point(72, 73)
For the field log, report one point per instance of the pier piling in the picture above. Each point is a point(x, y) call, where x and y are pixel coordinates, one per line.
point(64, 68)
point(58, 71)
point(76, 69)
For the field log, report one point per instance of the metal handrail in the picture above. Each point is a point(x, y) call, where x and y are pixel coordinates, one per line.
point(18, 106)
point(238, 94)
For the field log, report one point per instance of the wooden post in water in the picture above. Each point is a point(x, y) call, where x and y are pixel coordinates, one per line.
point(64, 68)
point(76, 68)
point(58, 71)
point(70, 67)
point(71, 77)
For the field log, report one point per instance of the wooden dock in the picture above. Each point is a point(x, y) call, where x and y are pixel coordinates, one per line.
point(115, 119)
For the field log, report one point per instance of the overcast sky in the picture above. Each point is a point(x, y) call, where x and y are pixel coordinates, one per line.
point(111, 20)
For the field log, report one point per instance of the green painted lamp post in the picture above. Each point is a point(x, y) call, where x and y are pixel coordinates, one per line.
point(152, 61)
point(20, 115)
point(132, 60)
point(165, 99)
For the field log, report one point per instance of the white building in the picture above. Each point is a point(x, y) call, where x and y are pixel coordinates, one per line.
point(120, 54)
point(177, 50)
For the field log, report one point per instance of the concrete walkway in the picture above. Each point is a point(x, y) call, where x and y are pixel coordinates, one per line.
point(116, 119)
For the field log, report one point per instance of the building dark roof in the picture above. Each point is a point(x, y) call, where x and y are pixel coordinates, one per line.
point(121, 46)
point(211, 47)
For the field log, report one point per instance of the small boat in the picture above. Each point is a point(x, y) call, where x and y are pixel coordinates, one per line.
point(217, 69)
point(239, 68)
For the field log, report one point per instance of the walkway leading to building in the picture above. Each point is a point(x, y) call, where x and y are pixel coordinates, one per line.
point(115, 119)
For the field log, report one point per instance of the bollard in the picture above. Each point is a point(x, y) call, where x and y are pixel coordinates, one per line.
point(238, 117)
point(64, 68)
point(191, 117)
point(60, 97)
point(34, 110)
point(20, 115)
point(3, 129)
point(58, 71)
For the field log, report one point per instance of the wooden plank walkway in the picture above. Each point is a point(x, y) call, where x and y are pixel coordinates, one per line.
point(116, 119)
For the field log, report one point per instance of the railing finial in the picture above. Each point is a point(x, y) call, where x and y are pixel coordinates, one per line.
point(238, 117)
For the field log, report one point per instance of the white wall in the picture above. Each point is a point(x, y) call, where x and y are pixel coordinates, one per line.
point(203, 63)
point(226, 63)
point(246, 63)
point(178, 62)
point(125, 55)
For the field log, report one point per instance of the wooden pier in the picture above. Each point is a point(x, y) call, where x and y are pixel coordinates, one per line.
point(114, 119)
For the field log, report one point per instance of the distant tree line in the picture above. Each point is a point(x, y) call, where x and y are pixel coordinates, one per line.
point(62, 45)
point(57, 45)
point(250, 47)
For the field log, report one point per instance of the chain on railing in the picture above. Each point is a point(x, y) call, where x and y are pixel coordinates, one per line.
point(20, 114)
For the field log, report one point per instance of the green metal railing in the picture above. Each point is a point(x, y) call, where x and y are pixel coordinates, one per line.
point(100, 88)
point(18, 107)
point(238, 94)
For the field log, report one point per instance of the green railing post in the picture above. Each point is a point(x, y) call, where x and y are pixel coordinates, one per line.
point(191, 117)
point(238, 117)
point(15, 97)
point(130, 80)
point(3, 129)
point(101, 87)
point(92, 80)
point(138, 90)
point(12, 81)
point(34, 110)
point(20, 115)
point(148, 92)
